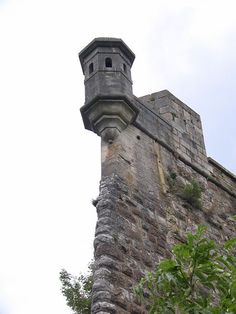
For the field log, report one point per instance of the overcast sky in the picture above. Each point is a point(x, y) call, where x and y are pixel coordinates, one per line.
point(49, 164)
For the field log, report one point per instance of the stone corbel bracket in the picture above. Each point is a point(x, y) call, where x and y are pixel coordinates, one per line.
point(109, 116)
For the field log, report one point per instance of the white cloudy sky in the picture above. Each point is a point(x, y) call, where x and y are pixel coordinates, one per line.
point(49, 165)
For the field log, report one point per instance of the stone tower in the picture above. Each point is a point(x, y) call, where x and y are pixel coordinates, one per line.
point(108, 109)
point(152, 147)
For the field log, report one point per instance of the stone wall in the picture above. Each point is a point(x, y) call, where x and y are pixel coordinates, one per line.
point(140, 209)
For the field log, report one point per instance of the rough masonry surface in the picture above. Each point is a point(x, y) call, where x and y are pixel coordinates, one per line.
point(141, 213)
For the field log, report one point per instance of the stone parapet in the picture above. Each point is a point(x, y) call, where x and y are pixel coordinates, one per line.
point(222, 176)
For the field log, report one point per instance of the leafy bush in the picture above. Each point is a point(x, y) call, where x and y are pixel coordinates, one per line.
point(77, 290)
point(199, 278)
point(192, 194)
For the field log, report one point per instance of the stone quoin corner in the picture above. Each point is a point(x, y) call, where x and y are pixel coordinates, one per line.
point(151, 147)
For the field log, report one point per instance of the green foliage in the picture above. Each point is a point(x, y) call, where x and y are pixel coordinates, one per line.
point(192, 194)
point(172, 180)
point(200, 278)
point(77, 290)
point(173, 175)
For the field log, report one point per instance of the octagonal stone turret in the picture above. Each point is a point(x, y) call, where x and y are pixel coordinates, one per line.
point(109, 106)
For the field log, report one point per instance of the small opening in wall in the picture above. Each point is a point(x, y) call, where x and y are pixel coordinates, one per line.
point(108, 63)
point(91, 68)
point(124, 67)
point(138, 137)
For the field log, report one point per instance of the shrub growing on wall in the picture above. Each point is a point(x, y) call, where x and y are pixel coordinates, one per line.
point(192, 194)
point(199, 278)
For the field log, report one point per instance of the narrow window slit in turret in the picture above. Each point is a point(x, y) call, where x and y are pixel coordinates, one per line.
point(108, 63)
point(91, 68)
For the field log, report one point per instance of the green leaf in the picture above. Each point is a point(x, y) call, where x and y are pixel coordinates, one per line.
point(230, 243)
